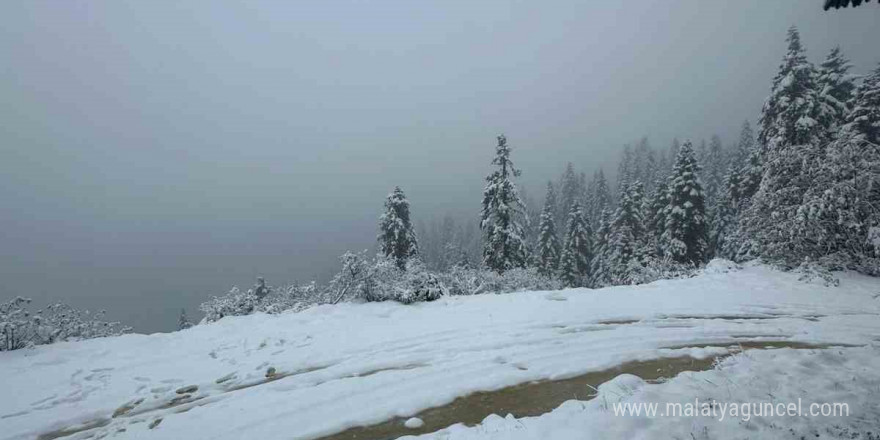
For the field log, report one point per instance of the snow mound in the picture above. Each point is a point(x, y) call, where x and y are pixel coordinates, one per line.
point(413, 423)
point(721, 265)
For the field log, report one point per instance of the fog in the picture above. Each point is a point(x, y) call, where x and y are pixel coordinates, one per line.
point(154, 154)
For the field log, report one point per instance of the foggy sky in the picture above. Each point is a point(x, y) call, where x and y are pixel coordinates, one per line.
point(153, 154)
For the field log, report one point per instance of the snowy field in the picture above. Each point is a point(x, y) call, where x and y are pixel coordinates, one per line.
point(318, 372)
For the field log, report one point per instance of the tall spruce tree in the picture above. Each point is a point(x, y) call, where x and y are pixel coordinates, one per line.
point(789, 114)
point(625, 247)
point(574, 267)
point(725, 215)
point(841, 212)
point(835, 86)
point(397, 239)
point(655, 216)
point(792, 144)
point(600, 267)
point(744, 146)
point(600, 199)
point(715, 162)
point(548, 242)
point(502, 214)
point(625, 170)
point(569, 193)
point(673, 153)
point(684, 236)
point(863, 120)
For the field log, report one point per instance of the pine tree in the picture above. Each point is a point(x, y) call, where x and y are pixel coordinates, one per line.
point(625, 170)
point(792, 143)
point(569, 193)
point(625, 246)
point(600, 267)
point(548, 242)
point(702, 152)
point(789, 114)
point(744, 147)
point(835, 86)
point(574, 267)
point(673, 153)
point(715, 162)
point(655, 216)
point(725, 215)
point(863, 120)
point(840, 218)
point(397, 239)
point(600, 199)
point(183, 322)
point(502, 214)
point(684, 236)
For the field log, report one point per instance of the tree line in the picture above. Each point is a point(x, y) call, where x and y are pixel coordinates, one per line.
point(804, 189)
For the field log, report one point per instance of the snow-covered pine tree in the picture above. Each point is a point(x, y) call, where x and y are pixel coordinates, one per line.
point(530, 227)
point(183, 322)
point(502, 214)
point(673, 153)
point(601, 198)
point(789, 113)
point(724, 215)
point(599, 267)
point(569, 193)
point(835, 86)
point(685, 232)
point(574, 267)
point(792, 142)
point(702, 152)
point(548, 242)
point(715, 163)
point(744, 147)
point(863, 120)
point(625, 170)
point(655, 216)
point(841, 212)
point(397, 239)
point(652, 169)
point(625, 246)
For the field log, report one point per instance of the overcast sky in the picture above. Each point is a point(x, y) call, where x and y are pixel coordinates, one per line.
point(155, 153)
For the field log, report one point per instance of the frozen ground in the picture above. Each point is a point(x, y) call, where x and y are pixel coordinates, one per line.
point(804, 378)
point(309, 374)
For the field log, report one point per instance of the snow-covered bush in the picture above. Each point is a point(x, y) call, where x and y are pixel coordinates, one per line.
point(234, 303)
point(648, 269)
point(721, 265)
point(294, 297)
point(415, 284)
point(61, 322)
point(472, 281)
point(21, 328)
point(17, 327)
point(811, 271)
point(354, 280)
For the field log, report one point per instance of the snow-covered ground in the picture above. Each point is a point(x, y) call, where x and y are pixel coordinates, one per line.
point(308, 374)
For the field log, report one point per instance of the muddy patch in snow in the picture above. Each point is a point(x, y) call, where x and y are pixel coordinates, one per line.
point(536, 398)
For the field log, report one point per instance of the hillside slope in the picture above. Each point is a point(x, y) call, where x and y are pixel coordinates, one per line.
point(318, 372)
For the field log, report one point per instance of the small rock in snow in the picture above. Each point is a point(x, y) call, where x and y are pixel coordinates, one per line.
point(414, 423)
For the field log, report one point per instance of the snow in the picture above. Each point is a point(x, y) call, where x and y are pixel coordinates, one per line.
point(414, 422)
point(730, 402)
point(328, 368)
